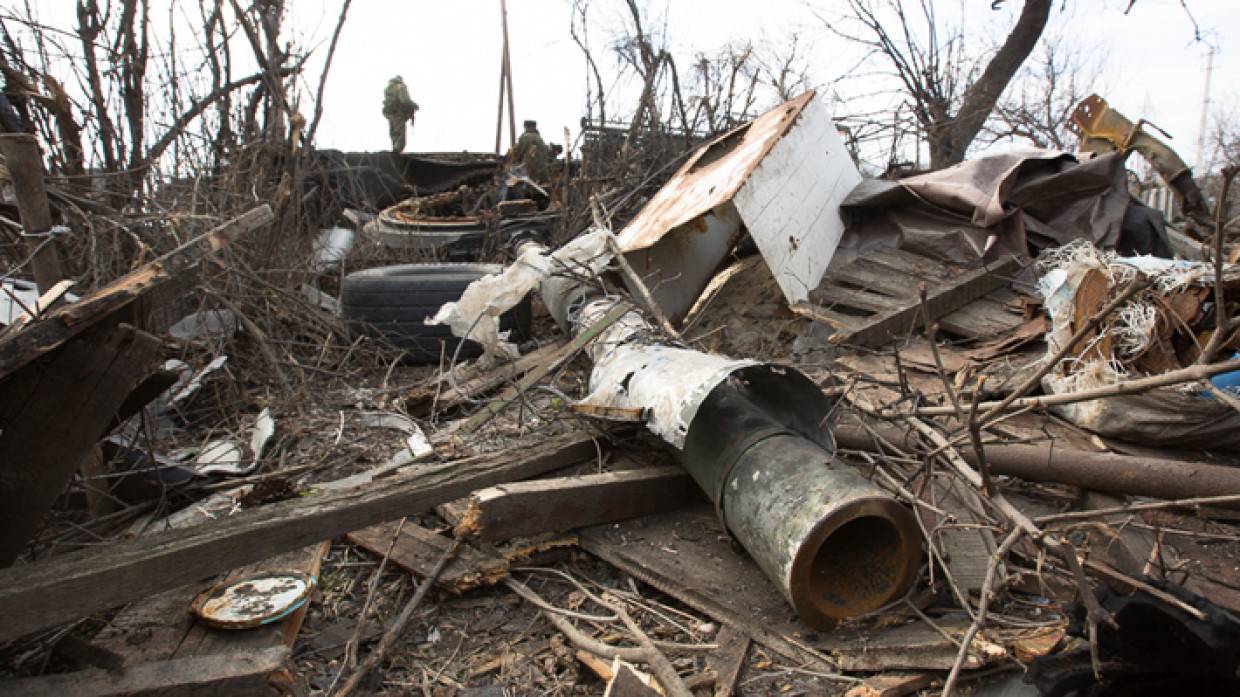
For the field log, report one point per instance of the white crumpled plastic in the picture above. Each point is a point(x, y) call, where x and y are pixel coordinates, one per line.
point(476, 314)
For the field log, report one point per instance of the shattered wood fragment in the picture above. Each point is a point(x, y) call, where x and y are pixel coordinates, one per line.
point(941, 300)
point(539, 506)
point(52, 417)
point(727, 661)
point(627, 681)
point(57, 327)
point(79, 583)
point(418, 549)
point(439, 395)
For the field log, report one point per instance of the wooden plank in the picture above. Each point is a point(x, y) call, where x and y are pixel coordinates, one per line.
point(836, 320)
point(59, 412)
point(939, 301)
point(727, 661)
point(159, 629)
point(563, 354)
point(687, 555)
point(57, 327)
point(522, 509)
point(46, 593)
point(422, 399)
point(242, 674)
point(980, 319)
point(851, 297)
point(893, 685)
point(876, 278)
point(930, 270)
point(417, 550)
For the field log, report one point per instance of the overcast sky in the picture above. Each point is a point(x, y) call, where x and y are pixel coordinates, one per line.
point(449, 54)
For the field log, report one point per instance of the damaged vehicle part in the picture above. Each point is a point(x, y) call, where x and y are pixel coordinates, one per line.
point(1102, 129)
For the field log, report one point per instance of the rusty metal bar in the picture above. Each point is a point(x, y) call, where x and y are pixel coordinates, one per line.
point(1105, 472)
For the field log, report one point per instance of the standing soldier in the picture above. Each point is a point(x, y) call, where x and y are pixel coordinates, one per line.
point(398, 108)
point(532, 152)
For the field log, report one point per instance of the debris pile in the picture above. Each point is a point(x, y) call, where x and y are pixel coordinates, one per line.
point(766, 427)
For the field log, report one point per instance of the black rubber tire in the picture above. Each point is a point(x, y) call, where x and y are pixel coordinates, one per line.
point(392, 303)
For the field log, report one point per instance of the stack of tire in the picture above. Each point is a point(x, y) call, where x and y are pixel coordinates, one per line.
point(392, 303)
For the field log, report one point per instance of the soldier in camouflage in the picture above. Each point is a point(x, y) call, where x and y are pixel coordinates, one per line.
point(532, 152)
point(398, 108)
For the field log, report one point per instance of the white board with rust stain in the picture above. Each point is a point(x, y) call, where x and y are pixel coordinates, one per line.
point(790, 203)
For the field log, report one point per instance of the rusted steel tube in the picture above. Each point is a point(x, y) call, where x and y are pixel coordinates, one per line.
point(1105, 472)
point(836, 545)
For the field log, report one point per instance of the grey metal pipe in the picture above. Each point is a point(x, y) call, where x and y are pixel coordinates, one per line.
point(835, 544)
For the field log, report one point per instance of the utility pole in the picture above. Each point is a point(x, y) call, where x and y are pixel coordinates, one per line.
point(21, 154)
point(1205, 113)
point(505, 81)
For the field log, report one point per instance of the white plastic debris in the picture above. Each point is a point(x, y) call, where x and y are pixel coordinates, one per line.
point(260, 435)
point(476, 314)
point(219, 457)
point(194, 382)
point(331, 247)
point(26, 294)
point(205, 324)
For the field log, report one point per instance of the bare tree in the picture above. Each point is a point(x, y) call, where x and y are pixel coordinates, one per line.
point(951, 96)
point(1048, 90)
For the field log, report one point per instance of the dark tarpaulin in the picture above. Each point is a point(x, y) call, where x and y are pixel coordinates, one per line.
point(1025, 200)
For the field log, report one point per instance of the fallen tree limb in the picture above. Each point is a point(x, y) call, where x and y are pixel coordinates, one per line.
point(46, 593)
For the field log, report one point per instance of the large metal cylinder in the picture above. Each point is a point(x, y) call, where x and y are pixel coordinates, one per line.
point(836, 545)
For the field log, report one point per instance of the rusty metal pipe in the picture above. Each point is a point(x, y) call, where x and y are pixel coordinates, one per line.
point(1105, 472)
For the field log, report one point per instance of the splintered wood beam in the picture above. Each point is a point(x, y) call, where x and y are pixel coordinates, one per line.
point(55, 328)
point(52, 415)
point(63, 588)
point(225, 674)
point(941, 300)
point(522, 509)
point(440, 396)
point(417, 550)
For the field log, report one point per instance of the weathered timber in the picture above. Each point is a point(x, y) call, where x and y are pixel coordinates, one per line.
point(566, 352)
point(64, 588)
point(53, 414)
point(687, 555)
point(25, 165)
point(892, 685)
point(58, 326)
point(158, 630)
point(417, 550)
point(439, 395)
point(940, 301)
point(233, 675)
point(521, 509)
point(728, 660)
point(1113, 474)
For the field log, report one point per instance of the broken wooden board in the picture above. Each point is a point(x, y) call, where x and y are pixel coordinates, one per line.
point(232, 675)
point(417, 550)
point(727, 661)
point(52, 416)
point(687, 555)
point(521, 509)
point(46, 593)
point(55, 328)
point(170, 652)
point(440, 396)
point(942, 299)
point(883, 283)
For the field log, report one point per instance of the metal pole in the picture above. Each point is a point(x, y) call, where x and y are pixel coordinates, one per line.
point(512, 112)
point(499, 118)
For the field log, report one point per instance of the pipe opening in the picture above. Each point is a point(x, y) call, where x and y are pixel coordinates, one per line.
point(858, 568)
